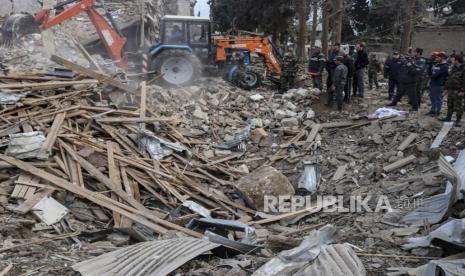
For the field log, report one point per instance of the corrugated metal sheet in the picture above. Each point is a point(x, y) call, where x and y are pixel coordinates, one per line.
point(335, 260)
point(148, 258)
point(436, 207)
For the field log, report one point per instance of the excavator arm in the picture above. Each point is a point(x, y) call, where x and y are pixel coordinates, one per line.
point(255, 44)
point(110, 37)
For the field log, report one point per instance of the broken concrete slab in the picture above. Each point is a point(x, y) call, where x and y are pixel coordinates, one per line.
point(27, 145)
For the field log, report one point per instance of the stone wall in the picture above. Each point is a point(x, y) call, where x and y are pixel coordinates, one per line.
point(443, 38)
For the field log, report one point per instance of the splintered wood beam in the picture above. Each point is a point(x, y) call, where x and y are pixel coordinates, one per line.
point(399, 164)
point(142, 217)
point(46, 85)
point(115, 177)
point(91, 73)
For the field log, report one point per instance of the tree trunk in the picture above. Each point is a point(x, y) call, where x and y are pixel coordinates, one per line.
point(324, 35)
point(303, 15)
point(338, 7)
point(314, 23)
point(407, 27)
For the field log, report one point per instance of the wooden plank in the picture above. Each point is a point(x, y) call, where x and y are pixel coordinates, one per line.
point(73, 170)
point(91, 73)
point(53, 132)
point(399, 164)
point(123, 120)
point(308, 211)
point(27, 205)
point(407, 141)
point(7, 269)
point(94, 172)
point(143, 103)
point(338, 124)
point(313, 133)
point(46, 85)
point(227, 158)
point(446, 127)
point(22, 189)
point(144, 217)
point(25, 125)
point(340, 172)
point(115, 178)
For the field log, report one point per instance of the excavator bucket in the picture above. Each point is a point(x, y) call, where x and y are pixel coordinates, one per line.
point(17, 26)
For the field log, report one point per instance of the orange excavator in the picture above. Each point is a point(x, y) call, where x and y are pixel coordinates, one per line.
point(21, 24)
point(186, 49)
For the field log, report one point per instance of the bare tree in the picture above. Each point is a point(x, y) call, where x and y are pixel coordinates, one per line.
point(303, 17)
point(314, 23)
point(325, 32)
point(407, 27)
point(338, 9)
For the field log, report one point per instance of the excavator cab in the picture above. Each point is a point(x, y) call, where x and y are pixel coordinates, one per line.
point(185, 45)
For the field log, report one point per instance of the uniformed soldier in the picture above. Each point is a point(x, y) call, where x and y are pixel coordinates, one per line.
point(239, 77)
point(420, 62)
point(455, 90)
point(373, 70)
point(407, 77)
point(289, 71)
point(316, 66)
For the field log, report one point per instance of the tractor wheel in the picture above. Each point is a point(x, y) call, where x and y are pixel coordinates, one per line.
point(179, 67)
point(251, 80)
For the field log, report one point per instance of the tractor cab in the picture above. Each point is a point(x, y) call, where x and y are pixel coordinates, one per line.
point(185, 46)
point(187, 32)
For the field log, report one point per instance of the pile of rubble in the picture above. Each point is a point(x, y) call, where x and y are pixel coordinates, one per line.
point(107, 177)
point(91, 165)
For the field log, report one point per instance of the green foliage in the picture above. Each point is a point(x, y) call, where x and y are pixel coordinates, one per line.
point(358, 12)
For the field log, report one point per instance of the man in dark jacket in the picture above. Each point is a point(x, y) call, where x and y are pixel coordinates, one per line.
point(339, 82)
point(360, 64)
point(455, 89)
point(331, 63)
point(391, 71)
point(349, 63)
point(439, 74)
point(316, 66)
point(407, 79)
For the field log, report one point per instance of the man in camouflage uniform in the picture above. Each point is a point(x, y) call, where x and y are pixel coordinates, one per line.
point(420, 62)
point(316, 66)
point(289, 71)
point(239, 76)
point(373, 70)
point(455, 89)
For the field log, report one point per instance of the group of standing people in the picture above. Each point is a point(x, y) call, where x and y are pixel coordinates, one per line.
point(408, 75)
point(346, 76)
